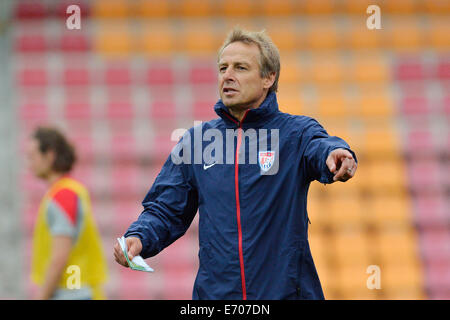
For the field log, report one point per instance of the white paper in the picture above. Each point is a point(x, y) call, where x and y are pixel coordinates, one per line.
point(137, 263)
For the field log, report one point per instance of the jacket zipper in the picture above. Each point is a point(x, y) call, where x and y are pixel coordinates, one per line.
point(238, 207)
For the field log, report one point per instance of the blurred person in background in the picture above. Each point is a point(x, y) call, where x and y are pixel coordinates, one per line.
point(68, 261)
point(253, 227)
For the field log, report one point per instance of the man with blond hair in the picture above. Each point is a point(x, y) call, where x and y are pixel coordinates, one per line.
point(248, 174)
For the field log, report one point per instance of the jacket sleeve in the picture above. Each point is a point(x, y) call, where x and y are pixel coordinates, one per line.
point(169, 208)
point(316, 145)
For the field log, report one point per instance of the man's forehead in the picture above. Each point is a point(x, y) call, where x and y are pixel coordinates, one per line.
point(240, 52)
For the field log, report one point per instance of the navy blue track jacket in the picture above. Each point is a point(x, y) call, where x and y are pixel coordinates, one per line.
point(253, 223)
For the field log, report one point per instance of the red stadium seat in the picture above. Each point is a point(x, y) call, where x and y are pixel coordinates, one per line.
point(410, 70)
point(30, 9)
point(117, 75)
point(27, 43)
point(203, 110)
point(435, 245)
point(443, 70)
point(60, 9)
point(163, 110)
point(203, 75)
point(123, 147)
point(76, 77)
point(78, 110)
point(160, 74)
point(74, 41)
point(430, 210)
point(415, 105)
point(33, 111)
point(33, 77)
point(424, 176)
point(419, 143)
point(120, 110)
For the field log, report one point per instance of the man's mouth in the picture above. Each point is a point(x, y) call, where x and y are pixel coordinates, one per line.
point(229, 90)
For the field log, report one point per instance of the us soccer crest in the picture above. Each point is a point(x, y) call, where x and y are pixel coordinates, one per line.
point(266, 159)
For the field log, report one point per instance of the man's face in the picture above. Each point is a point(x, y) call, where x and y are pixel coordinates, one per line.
point(39, 163)
point(240, 82)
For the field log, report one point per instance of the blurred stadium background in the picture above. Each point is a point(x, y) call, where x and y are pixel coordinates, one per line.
point(137, 70)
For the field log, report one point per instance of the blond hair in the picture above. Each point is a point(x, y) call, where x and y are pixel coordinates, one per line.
point(269, 55)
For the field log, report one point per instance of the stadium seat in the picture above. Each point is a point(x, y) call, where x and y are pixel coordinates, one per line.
point(163, 109)
point(113, 40)
point(29, 9)
point(32, 112)
point(203, 73)
point(419, 143)
point(273, 8)
point(430, 210)
point(356, 7)
point(346, 212)
point(198, 38)
point(33, 77)
point(157, 39)
point(414, 105)
point(410, 71)
point(136, 285)
point(369, 68)
point(424, 176)
point(351, 282)
point(359, 37)
point(443, 70)
point(374, 104)
point(160, 74)
point(436, 6)
point(386, 176)
point(284, 34)
point(332, 103)
point(321, 35)
point(110, 9)
point(236, 8)
point(405, 36)
point(290, 100)
point(435, 244)
point(380, 141)
point(195, 8)
point(438, 38)
point(400, 281)
point(291, 72)
point(152, 9)
point(437, 276)
point(76, 77)
point(405, 252)
point(78, 111)
point(316, 7)
point(31, 43)
point(74, 42)
point(203, 109)
point(406, 7)
point(388, 211)
point(60, 9)
point(326, 69)
point(117, 75)
point(351, 248)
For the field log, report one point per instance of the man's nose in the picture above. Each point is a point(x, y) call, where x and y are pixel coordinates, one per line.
point(228, 74)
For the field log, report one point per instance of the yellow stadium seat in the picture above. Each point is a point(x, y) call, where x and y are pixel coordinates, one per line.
point(369, 68)
point(436, 6)
point(319, 247)
point(380, 140)
point(283, 34)
point(388, 211)
point(397, 246)
point(332, 103)
point(352, 282)
point(111, 9)
point(351, 247)
point(235, 8)
point(400, 6)
point(290, 99)
point(316, 7)
point(158, 39)
point(321, 35)
point(291, 70)
point(438, 35)
point(346, 212)
point(318, 212)
point(152, 8)
point(198, 38)
point(328, 279)
point(195, 8)
point(277, 7)
point(405, 35)
point(374, 105)
point(359, 37)
point(114, 40)
point(398, 278)
point(404, 293)
point(356, 7)
point(386, 176)
point(326, 69)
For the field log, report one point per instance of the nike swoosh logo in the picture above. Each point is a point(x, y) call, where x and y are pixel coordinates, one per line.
point(205, 166)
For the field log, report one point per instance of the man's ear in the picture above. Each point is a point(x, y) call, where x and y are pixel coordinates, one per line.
point(269, 80)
